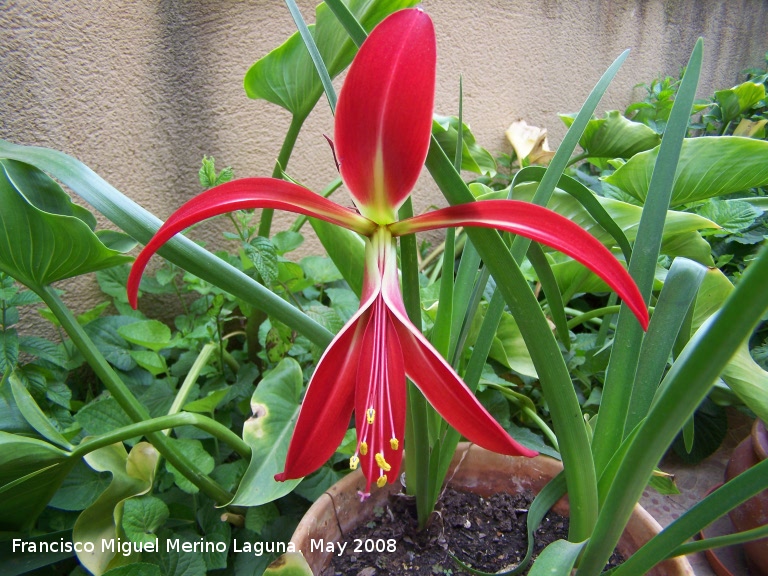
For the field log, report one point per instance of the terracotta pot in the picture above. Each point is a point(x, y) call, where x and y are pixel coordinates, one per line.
point(753, 512)
point(339, 510)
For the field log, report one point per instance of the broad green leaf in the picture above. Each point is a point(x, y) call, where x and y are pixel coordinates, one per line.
point(320, 269)
point(80, 488)
point(142, 516)
point(30, 473)
point(173, 560)
point(151, 334)
point(314, 485)
point(557, 559)
point(346, 249)
point(151, 361)
point(132, 475)
point(287, 241)
point(344, 301)
point(193, 451)
point(135, 569)
point(102, 416)
point(28, 562)
point(207, 404)
point(709, 166)
point(34, 415)
point(257, 517)
point(289, 564)
point(275, 407)
point(614, 136)
point(731, 215)
point(742, 374)
point(261, 253)
point(209, 520)
point(739, 99)
point(474, 158)
point(508, 346)
point(9, 349)
point(43, 237)
point(287, 77)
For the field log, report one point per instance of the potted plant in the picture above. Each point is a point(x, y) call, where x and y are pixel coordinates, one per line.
point(382, 138)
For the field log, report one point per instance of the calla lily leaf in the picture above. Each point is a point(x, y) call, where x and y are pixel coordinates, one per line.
point(44, 237)
point(614, 136)
point(739, 99)
point(474, 158)
point(287, 77)
point(275, 406)
point(708, 167)
point(30, 473)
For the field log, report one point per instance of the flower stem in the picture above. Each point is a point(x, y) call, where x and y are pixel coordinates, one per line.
point(297, 121)
point(147, 427)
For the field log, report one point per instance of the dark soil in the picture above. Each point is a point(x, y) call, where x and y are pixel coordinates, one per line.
point(488, 534)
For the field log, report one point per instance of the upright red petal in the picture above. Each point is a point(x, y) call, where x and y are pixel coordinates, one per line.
point(384, 113)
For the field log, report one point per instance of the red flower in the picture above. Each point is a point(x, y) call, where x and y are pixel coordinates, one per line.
point(382, 131)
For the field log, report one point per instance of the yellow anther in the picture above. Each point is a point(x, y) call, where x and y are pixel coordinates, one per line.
point(353, 462)
point(370, 414)
point(394, 444)
point(363, 448)
point(381, 481)
point(383, 464)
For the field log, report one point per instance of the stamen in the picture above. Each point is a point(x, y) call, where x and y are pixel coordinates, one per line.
point(363, 448)
point(394, 444)
point(381, 481)
point(383, 464)
point(370, 414)
point(354, 462)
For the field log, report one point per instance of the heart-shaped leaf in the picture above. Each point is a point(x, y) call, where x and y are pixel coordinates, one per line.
point(44, 237)
point(275, 406)
point(287, 77)
point(709, 166)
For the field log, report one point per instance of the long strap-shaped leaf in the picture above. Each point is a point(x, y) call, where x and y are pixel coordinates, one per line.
point(617, 390)
point(142, 225)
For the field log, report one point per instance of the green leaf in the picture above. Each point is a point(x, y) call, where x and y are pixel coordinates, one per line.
point(102, 416)
point(132, 475)
point(708, 167)
point(30, 473)
point(344, 301)
point(261, 253)
point(9, 349)
point(135, 569)
point(80, 488)
point(42, 236)
point(320, 269)
point(173, 561)
point(739, 99)
point(509, 347)
point(474, 158)
point(258, 517)
point(346, 249)
point(275, 406)
point(557, 559)
point(34, 415)
point(207, 404)
point(289, 564)
point(742, 374)
point(614, 136)
point(193, 451)
point(287, 241)
point(142, 516)
point(732, 216)
point(151, 361)
point(287, 77)
point(151, 334)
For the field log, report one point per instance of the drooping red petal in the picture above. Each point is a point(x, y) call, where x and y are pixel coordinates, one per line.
point(439, 383)
point(245, 194)
point(327, 406)
point(380, 397)
point(541, 225)
point(384, 113)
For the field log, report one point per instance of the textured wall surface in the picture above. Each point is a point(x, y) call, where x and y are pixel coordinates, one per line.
point(139, 90)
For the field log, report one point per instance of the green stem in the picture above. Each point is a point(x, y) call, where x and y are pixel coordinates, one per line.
point(125, 398)
point(164, 423)
point(191, 378)
point(282, 163)
point(590, 315)
point(578, 158)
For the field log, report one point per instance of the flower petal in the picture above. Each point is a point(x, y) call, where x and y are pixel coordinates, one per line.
point(384, 113)
point(439, 383)
point(541, 225)
point(324, 416)
point(242, 194)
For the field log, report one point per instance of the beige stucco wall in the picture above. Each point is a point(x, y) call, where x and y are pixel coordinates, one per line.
point(140, 90)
